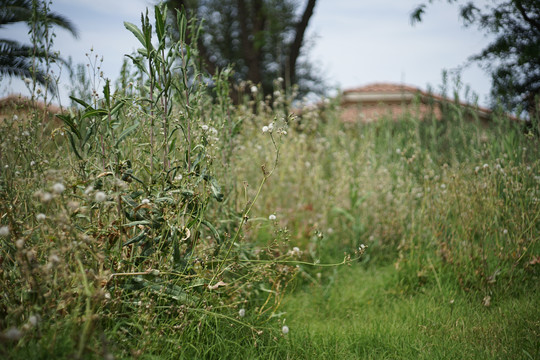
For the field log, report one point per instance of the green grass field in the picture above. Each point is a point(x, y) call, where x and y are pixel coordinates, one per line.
point(162, 221)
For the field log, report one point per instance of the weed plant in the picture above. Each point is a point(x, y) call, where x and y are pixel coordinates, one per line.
point(160, 220)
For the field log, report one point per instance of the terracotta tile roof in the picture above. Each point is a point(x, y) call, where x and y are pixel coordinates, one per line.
point(384, 87)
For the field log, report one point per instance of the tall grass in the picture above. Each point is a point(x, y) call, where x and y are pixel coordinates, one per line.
point(159, 219)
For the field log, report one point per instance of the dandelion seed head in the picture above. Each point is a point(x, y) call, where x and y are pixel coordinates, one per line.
point(178, 177)
point(4, 231)
point(242, 312)
point(485, 166)
point(100, 196)
point(254, 89)
point(272, 217)
point(145, 201)
point(33, 320)
point(13, 334)
point(205, 127)
point(19, 244)
point(41, 217)
point(265, 129)
point(58, 188)
point(285, 329)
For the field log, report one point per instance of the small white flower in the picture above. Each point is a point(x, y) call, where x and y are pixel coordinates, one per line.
point(19, 243)
point(265, 129)
point(477, 169)
point(242, 312)
point(272, 217)
point(485, 166)
point(285, 329)
point(145, 201)
point(41, 217)
point(398, 151)
point(505, 231)
point(32, 163)
point(15, 118)
point(100, 196)
point(58, 188)
point(280, 79)
point(33, 320)
point(178, 177)
point(25, 133)
point(88, 190)
point(13, 334)
point(443, 186)
point(254, 89)
point(46, 197)
point(362, 247)
point(204, 127)
point(4, 231)
point(108, 295)
point(54, 259)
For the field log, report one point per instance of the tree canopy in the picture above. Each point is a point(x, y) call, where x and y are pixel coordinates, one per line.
point(513, 57)
point(16, 59)
point(261, 39)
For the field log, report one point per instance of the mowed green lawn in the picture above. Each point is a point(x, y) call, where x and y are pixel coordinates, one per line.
point(367, 314)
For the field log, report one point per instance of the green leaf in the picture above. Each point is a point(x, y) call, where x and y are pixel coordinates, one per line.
point(212, 229)
point(81, 102)
point(126, 132)
point(66, 119)
point(160, 24)
point(135, 223)
point(140, 237)
point(136, 31)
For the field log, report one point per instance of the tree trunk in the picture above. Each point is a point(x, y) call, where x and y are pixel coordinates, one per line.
point(294, 50)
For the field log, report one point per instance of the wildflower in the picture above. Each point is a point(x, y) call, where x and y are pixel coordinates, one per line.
point(27, 81)
point(15, 118)
point(242, 312)
point(32, 163)
point(280, 79)
point(505, 231)
point(178, 177)
point(443, 186)
point(4, 231)
point(272, 217)
point(54, 259)
point(485, 166)
point(58, 188)
point(100, 196)
point(254, 89)
point(19, 244)
point(362, 247)
point(265, 129)
point(88, 190)
point(45, 197)
point(296, 250)
point(33, 320)
point(204, 127)
point(41, 217)
point(13, 334)
point(145, 201)
point(398, 151)
point(285, 329)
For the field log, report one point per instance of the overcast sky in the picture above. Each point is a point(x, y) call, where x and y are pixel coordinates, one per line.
point(354, 42)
